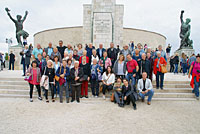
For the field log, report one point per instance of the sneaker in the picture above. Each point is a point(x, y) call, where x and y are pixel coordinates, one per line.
point(72, 100)
point(96, 96)
point(78, 101)
point(39, 98)
point(31, 100)
point(104, 97)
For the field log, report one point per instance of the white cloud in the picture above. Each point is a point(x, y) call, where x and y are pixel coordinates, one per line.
point(160, 16)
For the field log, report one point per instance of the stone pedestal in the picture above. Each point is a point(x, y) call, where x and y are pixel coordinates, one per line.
point(16, 51)
point(187, 51)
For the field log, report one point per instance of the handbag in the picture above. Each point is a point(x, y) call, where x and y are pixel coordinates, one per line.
point(57, 77)
point(112, 97)
point(28, 78)
point(62, 81)
point(163, 69)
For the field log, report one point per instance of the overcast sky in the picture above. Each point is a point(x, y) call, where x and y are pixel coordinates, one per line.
point(160, 16)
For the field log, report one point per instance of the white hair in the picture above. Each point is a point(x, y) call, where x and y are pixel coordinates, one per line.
point(76, 62)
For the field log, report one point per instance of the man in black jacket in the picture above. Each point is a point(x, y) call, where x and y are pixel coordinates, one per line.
point(144, 66)
point(61, 48)
point(112, 53)
point(11, 60)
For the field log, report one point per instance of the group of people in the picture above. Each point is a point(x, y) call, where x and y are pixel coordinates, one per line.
point(66, 69)
point(184, 62)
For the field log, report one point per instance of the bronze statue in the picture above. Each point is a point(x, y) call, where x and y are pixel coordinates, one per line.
point(19, 26)
point(185, 33)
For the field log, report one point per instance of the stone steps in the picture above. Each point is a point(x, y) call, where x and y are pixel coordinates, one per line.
point(173, 90)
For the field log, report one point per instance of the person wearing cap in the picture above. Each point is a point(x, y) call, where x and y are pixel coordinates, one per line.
point(195, 82)
point(158, 62)
point(125, 51)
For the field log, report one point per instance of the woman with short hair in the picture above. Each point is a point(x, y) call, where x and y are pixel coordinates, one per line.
point(34, 73)
point(49, 72)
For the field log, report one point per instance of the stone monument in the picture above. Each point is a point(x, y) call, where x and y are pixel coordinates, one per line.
point(103, 23)
point(186, 45)
point(19, 33)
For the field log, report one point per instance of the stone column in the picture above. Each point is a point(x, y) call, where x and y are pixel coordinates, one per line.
point(16, 51)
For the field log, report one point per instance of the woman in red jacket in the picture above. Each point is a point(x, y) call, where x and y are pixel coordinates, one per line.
point(158, 62)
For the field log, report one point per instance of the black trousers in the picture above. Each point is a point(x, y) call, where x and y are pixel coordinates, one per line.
point(132, 99)
point(76, 89)
point(13, 65)
point(31, 90)
point(51, 88)
point(105, 87)
point(171, 67)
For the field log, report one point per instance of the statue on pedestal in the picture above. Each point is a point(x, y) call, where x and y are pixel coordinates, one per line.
point(185, 33)
point(19, 26)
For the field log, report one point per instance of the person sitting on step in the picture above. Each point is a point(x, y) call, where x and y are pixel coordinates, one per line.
point(145, 88)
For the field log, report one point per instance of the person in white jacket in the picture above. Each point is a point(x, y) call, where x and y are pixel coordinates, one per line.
point(108, 80)
point(145, 88)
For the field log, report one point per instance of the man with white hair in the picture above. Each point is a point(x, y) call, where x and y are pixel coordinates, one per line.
point(144, 66)
point(100, 50)
point(145, 88)
point(49, 49)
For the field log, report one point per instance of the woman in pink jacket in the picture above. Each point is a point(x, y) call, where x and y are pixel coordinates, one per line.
point(34, 73)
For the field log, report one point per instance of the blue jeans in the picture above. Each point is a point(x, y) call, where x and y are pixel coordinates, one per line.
point(129, 77)
point(176, 68)
point(64, 88)
point(196, 87)
point(149, 94)
point(184, 66)
point(159, 79)
point(56, 88)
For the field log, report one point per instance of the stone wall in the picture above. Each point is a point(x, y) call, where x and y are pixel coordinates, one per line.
point(74, 35)
point(69, 35)
point(152, 39)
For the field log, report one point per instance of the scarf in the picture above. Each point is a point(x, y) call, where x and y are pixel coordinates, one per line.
point(158, 62)
point(104, 60)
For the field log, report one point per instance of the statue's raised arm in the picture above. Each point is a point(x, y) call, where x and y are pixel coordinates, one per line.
point(24, 18)
point(8, 12)
point(181, 17)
